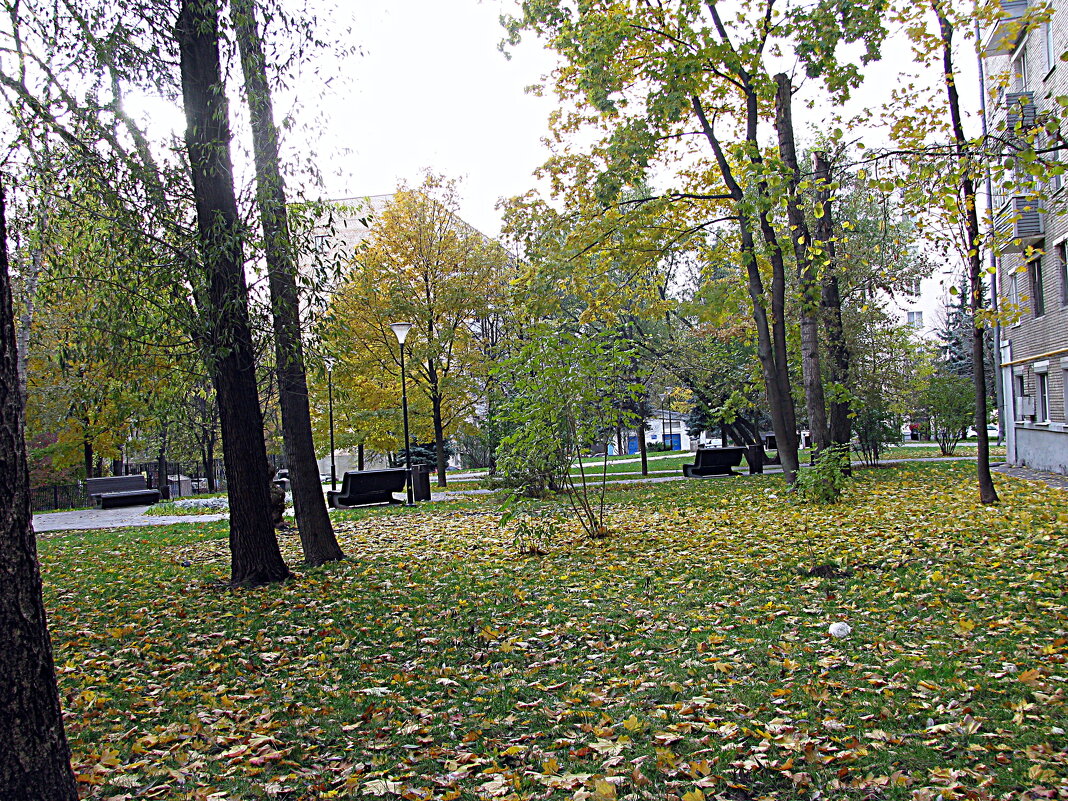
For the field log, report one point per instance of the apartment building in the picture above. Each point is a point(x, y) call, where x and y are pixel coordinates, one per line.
point(1022, 55)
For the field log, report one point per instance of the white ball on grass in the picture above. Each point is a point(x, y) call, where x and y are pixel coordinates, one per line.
point(839, 630)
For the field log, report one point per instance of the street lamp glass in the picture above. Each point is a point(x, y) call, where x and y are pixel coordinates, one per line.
point(329, 361)
point(401, 330)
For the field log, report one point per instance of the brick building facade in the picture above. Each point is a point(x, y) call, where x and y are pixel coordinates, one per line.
point(1026, 75)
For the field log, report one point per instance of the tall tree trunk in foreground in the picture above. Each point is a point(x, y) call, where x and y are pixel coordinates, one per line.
point(807, 279)
point(34, 755)
point(313, 521)
point(227, 337)
point(771, 333)
point(987, 493)
point(831, 300)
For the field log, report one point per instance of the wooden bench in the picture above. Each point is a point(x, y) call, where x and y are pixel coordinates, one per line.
point(112, 491)
point(714, 462)
point(364, 487)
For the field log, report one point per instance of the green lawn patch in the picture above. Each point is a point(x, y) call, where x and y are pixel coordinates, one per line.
point(686, 655)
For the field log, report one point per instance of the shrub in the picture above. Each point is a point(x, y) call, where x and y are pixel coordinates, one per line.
point(825, 481)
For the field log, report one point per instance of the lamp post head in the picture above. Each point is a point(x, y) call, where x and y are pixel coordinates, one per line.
point(329, 361)
point(401, 330)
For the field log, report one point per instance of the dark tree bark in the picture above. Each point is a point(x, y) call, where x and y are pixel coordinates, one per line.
point(313, 521)
point(831, 301)
point(226, 336)
point(771, 333)
point(34, 755)
point(807, 278)
point(643, 448)
point(987, 493)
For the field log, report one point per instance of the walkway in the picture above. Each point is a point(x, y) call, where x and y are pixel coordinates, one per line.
point(134, 516)
point(127, 517)
point(1055, 480)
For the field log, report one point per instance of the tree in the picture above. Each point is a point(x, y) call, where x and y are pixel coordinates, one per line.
point(564, 390)
point(34, 755)
point(660, 82)
point(316, 534)
point(226, 339)
point(422, 265)
point(950, 404)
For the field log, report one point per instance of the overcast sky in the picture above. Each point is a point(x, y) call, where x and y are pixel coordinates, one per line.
point(431, 90)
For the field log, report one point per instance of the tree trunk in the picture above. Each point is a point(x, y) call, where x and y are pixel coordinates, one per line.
point(643, 448)
point(831, 301)
point(34, 755)
point(87, 451)
point(359, 456)
point(771, 335)
point(226, 335)
point(439, 438)
point(807, 278)
point(313, 520)
point(162, 482)
point(987, 493)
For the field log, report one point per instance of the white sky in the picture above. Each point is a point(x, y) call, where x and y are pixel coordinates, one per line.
point(432, 91)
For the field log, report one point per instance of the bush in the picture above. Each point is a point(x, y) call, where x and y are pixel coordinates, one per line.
point(825, 481)
point(950, 401)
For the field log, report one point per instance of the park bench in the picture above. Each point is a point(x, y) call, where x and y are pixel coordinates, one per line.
point(714, 462)
point(113, 491)
point(364, 487)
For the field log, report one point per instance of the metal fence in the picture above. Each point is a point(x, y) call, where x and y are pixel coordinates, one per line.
point(183, 479)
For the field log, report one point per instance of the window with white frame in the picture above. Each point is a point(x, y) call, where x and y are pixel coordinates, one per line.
point(1047, 45)
point(915, 318)
point(1019, 68)
point(1014, 288)
point(1062, 270)
point(1064, 388)
point(1042, 394)
point(1038, 297)
point(1019, 391)
point(1056, 180)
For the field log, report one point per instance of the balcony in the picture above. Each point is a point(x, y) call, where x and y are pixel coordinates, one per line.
point(1020, 110)
point(1005, 34)
point(1019, 223)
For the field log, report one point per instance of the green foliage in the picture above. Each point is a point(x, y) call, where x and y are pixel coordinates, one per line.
point(825, 481)
point(564, 389)
point(876, 427)
point(950, 404)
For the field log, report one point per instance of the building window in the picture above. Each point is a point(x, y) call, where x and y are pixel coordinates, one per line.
point(1019, 68)
point(1056, 181)
point(1064, 390)
point(1047, 45)
point(1038, 299)
point(912, 286)
point(1042, 397)
point(320, 241)
point(1014, 288)
point(915, 318)
point(1062, 270)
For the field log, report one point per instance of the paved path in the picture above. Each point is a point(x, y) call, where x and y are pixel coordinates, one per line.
point(127, 517)
point(134, 516)
point(1052, 479)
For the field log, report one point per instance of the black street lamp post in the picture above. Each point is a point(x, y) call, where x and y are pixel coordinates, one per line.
point(330, 403)
point(401, 330)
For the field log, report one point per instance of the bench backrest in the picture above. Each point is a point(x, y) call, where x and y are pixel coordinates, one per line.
point(360, 481)
point(714, 457)
point(97, 486)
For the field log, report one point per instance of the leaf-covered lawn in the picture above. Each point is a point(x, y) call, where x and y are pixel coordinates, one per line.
point(687, 656)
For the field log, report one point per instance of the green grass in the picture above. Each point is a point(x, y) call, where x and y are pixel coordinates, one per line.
point(687, 652)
